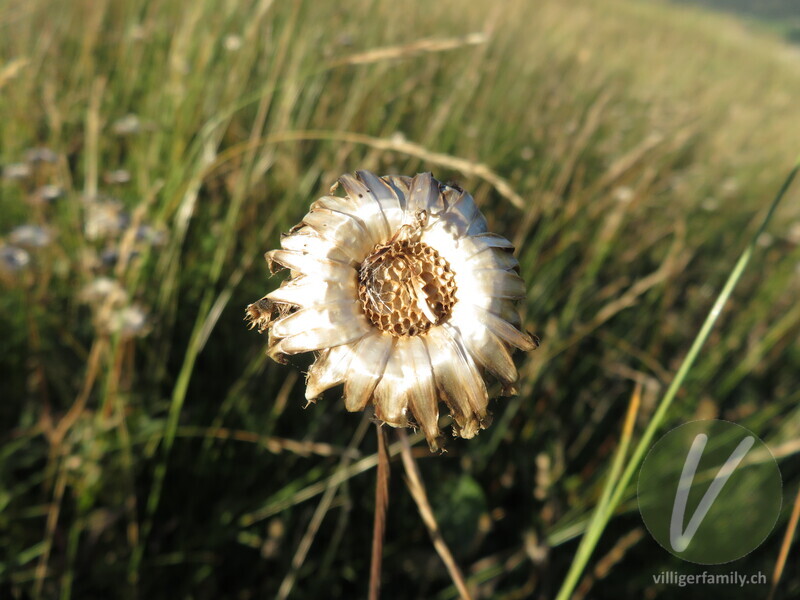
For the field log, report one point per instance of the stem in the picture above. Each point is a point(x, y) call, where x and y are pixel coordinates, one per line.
point(381, 507)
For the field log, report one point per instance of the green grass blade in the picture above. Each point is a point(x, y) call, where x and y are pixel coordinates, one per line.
point(604, 511)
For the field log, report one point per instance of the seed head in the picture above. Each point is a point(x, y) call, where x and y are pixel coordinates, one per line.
point(404, 298)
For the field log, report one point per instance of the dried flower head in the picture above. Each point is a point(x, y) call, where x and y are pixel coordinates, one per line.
point(30, 236)
point(127, 125)
point(149, 235)
point(404, 297)
point(117, 177)
point(47, 194)
point(13, 259)
point(41, 155)
point(104, 290)
point(17, 171)
point(105, 219)
point(129, 322)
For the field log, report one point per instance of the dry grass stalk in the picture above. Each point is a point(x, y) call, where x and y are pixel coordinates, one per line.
point(791, 528)
point(393, 144)
point(417, 489)
point(412, 49)
point(322, 509)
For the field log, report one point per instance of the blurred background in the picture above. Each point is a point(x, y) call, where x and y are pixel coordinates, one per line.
point(151, 152)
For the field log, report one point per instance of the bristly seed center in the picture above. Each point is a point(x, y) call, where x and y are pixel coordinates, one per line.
point(405, 287)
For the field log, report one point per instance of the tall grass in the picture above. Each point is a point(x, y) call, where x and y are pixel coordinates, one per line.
point(625, 147)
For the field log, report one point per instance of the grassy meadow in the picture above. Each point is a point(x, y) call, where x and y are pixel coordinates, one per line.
point(151, 152)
